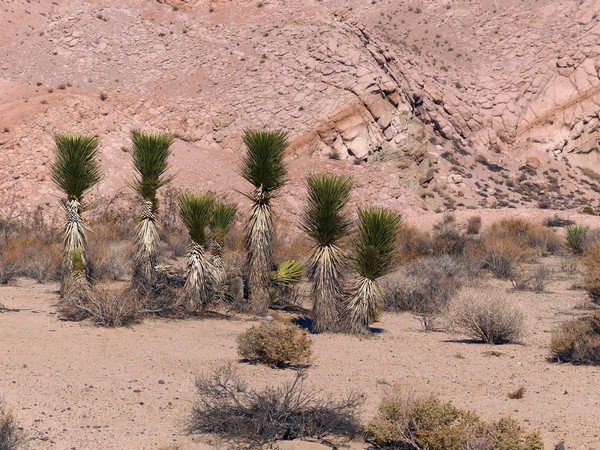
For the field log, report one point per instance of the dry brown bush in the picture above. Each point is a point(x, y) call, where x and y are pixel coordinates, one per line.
point(11, 436)
point(499, 255)
point(249, 418)
point(541, 240)
point(275, 345)
point(578, 341)
point(412, 243)
point(429, 423)
point(591, 263)
point(447, 238)
point(534, 280)
point(425, 286)
point(473, 224)
point(109, 251)
point(105, 307)
point(486, 316)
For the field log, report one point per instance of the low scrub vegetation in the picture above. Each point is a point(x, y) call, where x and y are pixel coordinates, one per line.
point(429, 423)
point(250, 418)
point(105, 307)
point(578, 341)
point(591, 263)
point(426, 286)
point(487, 317)
point(11, 436)
point(275, 345)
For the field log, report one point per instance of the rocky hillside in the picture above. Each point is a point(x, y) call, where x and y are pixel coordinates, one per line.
point(428, 105)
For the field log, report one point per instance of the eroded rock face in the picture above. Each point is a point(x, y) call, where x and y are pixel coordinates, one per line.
point(445, 101)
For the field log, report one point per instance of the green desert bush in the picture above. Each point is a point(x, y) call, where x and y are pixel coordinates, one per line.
point(578, 341)
point(250, 418)
point(429, 423)
point(275, 345)
point(11, 436)
point(486, 316)
point(576, 238)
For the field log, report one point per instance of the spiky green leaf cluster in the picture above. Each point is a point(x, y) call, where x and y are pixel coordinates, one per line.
point(288, 273)
point(263, 165)
point(150, 160)
point(196, 211)
point(222, 220)
point(324, 218)
point(374, 246)
point(75, 169)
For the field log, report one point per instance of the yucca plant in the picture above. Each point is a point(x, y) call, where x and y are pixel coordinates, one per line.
point(288, 273)
point(222, 220)
point(576, 236)
point(326, 221)
point(264, 168)
point(75, 171)
point(150, 160)
point(374, 251)
point(196, 211)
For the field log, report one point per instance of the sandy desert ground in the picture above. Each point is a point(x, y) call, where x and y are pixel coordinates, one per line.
point(77, 386)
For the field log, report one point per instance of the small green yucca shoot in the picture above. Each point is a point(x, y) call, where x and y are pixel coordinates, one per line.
point(264, 168)
point(150, 161)
point(287, 274)
point(196, 211)
point(325, 221)
point(374, 250)
point(576, 235)
point(75, 171)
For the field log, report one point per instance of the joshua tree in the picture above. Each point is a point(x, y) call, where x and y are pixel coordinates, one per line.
point(221, 222)
point(150, 154)
point(196, 211)
point(75, 171)
point(374, 255)
point(326, 222)
point(263, 167)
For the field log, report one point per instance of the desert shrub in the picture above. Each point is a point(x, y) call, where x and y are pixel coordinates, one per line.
point(11, 436)
point(591, 263)
point(429, 423)
point(447, 238)
point(534, 280)
point(275, 345)
point(537, 238)
point(105, 307)
point(500, 256)
point(473, 224)
point(426, 286)
point(557, 222)
point(488, 317)
point(576, 238)
point(412, 243)
point(250, 418)
point(578, 341)
point(109, 251)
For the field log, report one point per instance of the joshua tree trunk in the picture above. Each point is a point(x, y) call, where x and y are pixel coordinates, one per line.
point(74, 244)
point(363, 299)
point(144, 271)
point(259, 239)
point(216, 261)
point(199, 278)
point(324, 272)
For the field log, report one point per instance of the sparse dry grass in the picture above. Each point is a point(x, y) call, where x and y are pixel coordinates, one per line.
point(486, 316)
point(249, 418)
point(578, 341)
point(11, 436)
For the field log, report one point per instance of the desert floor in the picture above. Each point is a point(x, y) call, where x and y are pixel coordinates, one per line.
point(77, 386)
